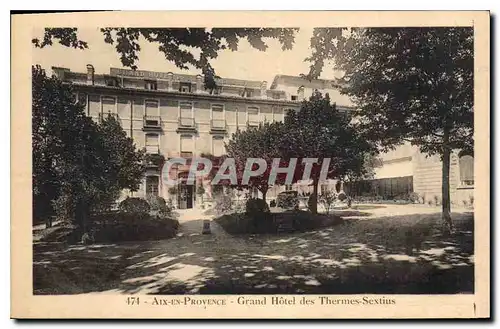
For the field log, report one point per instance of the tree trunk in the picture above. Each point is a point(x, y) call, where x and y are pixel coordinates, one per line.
point(313, 206)
point(446, 189)
point(264, 192)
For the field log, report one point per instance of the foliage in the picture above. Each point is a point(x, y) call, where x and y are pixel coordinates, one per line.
point(287, 200)
point(319, 131)
point(411, 85)
point(327, 199)
point(159, 206)
point(130, 226)
point(173, 190)
point(272, 204)
point(134, 206)
point(256, 142)
point(256, 207)
point(77, 163)
point(342, 196)
point(183, 46)
point(271, 223)
point(223, 204)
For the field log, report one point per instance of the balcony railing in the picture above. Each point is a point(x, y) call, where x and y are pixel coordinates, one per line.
point(218, 124)
point(152, 149)
point(186, 155)
point(151, 122)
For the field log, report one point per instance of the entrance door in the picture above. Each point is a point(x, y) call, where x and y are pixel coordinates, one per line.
point(186, 196)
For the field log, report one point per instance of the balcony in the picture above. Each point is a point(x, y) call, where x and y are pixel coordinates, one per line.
point(154, 160)
point(186, 125)
point(151, 123)
point(218, 126)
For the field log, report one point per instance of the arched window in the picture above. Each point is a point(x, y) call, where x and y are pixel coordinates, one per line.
point(466, 165)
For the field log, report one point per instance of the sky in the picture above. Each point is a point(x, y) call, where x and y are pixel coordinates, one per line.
point(246, 63)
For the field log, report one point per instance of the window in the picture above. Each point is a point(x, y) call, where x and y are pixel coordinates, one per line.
point(82, 99)
point(108, 105)
point(187, 146)
point(185, 87)
point(253, 116)
point(186, 114)
point(152, 183)
point(288, 187)
point(218, 145)
point(294, 97)
point(466, 164)
point(218, 121)
point(152, 143)
point(151, 108)
point(150, 85)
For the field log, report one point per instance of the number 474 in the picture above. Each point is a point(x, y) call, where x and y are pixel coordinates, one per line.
point(132, 300)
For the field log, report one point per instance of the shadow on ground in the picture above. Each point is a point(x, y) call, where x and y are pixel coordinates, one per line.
point(394, 254)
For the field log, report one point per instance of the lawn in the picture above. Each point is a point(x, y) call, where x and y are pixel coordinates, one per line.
point(401, 254)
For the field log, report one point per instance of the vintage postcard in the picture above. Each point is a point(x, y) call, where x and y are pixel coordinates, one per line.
point(251, 165)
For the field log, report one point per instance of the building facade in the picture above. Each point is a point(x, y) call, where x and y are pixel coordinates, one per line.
point(172, 115)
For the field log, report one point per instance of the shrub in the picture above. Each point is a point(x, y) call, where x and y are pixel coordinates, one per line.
point(272, 203)
point(256, 207)
point(327, 199)
point(134, 205)
point(288, 200)
point(342, 196)
point(471, 200)
point(413, 197)
point(127, 226)
point(436, 200)
point(159, 206)
point(223, 204)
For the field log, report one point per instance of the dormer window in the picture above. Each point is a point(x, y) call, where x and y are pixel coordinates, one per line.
point(185, 87)
point(150, 85)
point(247, 93)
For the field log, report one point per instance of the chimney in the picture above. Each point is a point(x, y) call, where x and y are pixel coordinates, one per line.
point(199, 83)
point(300, 93)
point(90, 74)
point(170, 79)
point(263, 89)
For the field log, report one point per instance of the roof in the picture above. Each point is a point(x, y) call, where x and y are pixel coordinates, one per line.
point(298, 80)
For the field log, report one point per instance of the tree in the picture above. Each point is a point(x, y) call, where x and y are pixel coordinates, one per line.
point(327, 198)
point(256, 142)
point(319, 131)
point(78, 165)
point(179, 45)
point(411, 85)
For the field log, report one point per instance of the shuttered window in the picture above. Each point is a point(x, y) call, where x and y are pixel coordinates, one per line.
point(108, 105)
point(218, 148)
point(466, 163)
point(151, 108)
point(187, 145)
point(152, 143)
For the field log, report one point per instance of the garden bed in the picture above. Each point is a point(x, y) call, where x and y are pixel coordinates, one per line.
point(115, 227)
point(276, 222)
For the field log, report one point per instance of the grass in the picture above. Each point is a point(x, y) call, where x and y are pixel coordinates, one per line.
point(403, 254)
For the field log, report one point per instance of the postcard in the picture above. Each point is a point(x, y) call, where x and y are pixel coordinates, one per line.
point(260, 164)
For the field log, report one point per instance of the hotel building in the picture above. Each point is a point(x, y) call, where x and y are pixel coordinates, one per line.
point(172, 115)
